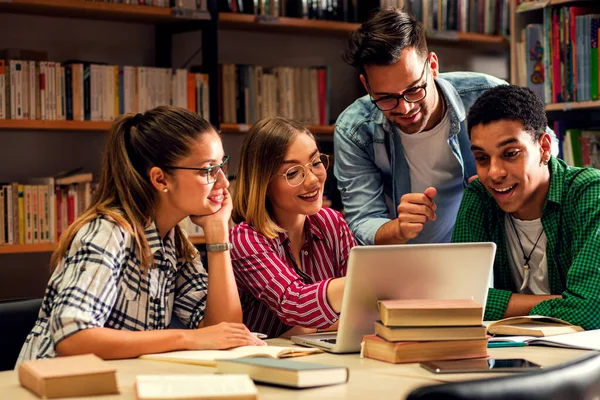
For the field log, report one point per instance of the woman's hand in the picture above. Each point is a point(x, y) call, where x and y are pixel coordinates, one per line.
point(216, 225)
point(225, 335)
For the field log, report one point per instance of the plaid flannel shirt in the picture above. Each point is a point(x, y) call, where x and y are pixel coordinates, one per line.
point(100, 283)
point(571, 220)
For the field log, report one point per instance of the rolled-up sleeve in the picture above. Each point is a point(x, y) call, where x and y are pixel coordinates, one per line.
point(261, 271)
point(190, 298)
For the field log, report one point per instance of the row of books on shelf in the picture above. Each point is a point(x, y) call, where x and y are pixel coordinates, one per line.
point(39, 210)
point(252, 92)
point(195, 4)
point(569, 47)
point(79, 91)
point(488, 16)
point(580, 147)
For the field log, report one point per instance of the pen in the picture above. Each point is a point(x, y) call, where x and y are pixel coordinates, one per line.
point(492, 345)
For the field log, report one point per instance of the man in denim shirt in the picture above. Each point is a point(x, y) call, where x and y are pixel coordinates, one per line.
point(402, 153)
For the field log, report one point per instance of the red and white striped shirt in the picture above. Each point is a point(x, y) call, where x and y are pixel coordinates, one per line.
point(275, 294)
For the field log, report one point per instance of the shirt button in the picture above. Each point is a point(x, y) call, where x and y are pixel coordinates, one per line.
point(151, 299)
point(82, 268)
point(157, 301)
point(305, 252)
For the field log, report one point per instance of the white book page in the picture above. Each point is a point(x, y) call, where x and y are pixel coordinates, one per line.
point(183, 386)
point(586, 340)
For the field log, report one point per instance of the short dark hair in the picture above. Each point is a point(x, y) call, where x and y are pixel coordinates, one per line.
point(382, 38)
point(513, 103)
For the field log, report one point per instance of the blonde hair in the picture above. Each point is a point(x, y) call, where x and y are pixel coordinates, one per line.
point(125, 195)
point(261, 156)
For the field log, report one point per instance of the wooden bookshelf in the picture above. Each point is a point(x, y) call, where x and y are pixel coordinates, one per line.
point(241, 128)
point(92, 10)
point(49, 247)
point(579, 105)
point(28, 124)
point(198, 240)
point(250, 22)
point(27, 248)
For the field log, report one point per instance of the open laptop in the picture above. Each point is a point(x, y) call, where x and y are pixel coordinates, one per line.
point(417, 271)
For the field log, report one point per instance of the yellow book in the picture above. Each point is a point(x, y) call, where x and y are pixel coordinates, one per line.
point(209, 357)
point(430, 312)
point(531, 325)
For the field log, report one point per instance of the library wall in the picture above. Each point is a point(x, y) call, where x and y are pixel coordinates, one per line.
point(25, 154)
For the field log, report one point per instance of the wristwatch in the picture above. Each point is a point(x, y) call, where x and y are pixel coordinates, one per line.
point(219, 247)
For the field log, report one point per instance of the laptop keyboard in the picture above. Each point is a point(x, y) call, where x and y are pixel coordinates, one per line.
point(332, 341)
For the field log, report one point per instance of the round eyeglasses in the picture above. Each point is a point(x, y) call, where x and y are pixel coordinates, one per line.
point(211, 173)
point(296, 175)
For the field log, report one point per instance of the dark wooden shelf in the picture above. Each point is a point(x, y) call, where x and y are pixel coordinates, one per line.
point(27, 248)
point(249, 22)
point(241, 128)
point(43, 125)
point(577, 105)
point(95, 10)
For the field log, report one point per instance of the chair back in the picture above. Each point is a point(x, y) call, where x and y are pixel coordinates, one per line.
point(17, 318)
point(576, 380)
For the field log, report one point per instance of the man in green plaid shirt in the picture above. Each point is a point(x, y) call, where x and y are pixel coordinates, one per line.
point(543, 215)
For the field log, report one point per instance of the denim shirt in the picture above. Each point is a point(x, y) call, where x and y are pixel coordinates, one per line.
point(372, 175)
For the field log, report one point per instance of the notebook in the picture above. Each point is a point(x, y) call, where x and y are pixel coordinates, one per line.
point(287, 373)
point(208, 357)
point(195, 387)
point(586, 340)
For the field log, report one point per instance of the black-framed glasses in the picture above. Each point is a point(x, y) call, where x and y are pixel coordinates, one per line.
point(295, 175)
point(412, 95)
point(212, 172)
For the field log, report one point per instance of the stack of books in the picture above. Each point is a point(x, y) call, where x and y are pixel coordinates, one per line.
point(427, 330)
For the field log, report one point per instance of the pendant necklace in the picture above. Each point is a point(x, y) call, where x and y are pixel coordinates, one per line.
point(526, 266)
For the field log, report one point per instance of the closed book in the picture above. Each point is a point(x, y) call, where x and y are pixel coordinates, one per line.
point(430, 312)
point(72, 376)
point(409, 352)
point(195, 387)
point(209, 357)
point(424, 333)
point(287, 373)
point(532, 325)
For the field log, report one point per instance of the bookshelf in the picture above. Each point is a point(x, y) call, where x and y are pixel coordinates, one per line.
point(577, 105)
point(97, 10)
point(50, 247)
point(242, 128)
point(246, 22)
point(43, 125)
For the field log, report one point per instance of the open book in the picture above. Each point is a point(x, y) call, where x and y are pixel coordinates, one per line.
point(586, 340)
point(531, 325)
point(209, 357)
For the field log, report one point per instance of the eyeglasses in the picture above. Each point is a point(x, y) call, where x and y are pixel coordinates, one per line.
point(212, 172)
point(295, 175)
point(412, 95)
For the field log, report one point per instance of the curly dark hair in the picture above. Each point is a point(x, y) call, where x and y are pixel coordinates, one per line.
point(382, 38)
point(513, 103)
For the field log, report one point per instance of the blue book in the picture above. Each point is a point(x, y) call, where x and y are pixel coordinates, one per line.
point(280, 372)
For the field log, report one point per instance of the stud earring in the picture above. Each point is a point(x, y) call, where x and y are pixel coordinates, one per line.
point(165, 190)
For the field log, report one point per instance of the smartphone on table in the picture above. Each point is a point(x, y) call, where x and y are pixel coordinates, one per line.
point(481, 365)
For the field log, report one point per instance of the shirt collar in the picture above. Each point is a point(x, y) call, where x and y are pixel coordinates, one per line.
point(556, 181)
point(158, 246)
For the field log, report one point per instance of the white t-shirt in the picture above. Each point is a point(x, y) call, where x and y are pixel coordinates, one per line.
point(528, 232)
point(430, 159)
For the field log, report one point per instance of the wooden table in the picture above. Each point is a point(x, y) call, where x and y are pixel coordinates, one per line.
point(369, 379)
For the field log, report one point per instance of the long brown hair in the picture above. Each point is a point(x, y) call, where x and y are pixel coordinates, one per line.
point(261, 156)
point(136, 143)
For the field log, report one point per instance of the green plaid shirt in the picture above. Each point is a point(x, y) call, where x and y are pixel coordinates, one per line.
point(571, 220)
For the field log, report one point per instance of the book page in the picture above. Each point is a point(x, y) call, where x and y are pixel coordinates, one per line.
point(182, 386)
point(586, 340)
point(272, 351)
